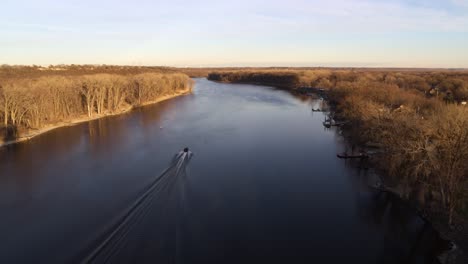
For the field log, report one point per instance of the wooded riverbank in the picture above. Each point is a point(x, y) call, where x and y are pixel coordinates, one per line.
point(74, 182)
point(31, 106)
point(418, 122)
point(29, 134)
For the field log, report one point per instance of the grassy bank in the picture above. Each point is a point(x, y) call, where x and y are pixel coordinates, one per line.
point(31, 106)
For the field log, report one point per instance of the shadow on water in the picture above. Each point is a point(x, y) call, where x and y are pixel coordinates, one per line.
point(405, 231)
point(407, 236)
point(10, 133)
point(104, 133)
point(26, 178)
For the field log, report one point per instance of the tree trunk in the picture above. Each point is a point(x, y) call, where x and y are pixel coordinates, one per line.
point(6, 113)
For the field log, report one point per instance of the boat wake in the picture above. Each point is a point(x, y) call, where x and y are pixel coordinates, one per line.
point(111, 242)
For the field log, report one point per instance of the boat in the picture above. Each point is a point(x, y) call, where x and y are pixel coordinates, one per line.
point(339, 124)
point(347, 156)
point(382, 188)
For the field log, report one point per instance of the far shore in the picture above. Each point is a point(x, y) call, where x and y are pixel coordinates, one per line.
point(84, 118)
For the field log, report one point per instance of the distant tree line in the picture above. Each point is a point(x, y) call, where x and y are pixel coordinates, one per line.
point(34, 71)
point(447, 85)
point(32, 103)
point(278, 79)
point(415, 117)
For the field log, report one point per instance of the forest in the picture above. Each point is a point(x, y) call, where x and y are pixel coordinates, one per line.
point(418, 120)
point(31, 103)
point(450, 85)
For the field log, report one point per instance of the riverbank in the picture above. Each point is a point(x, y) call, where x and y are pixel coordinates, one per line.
point(279, 79)
point(84, 118)
point(418, 136)
point(358, 131)
point(429, 211)
point(428, 208)
point(312, 196)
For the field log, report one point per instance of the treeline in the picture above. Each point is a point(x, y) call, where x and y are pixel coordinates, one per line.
point(451, 86)
point(35, 71)
point(278, 79)
point(424, 140)
point(415, 118)
point(32, 103)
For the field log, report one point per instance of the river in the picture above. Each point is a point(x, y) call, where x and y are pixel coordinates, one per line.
point(263, 186)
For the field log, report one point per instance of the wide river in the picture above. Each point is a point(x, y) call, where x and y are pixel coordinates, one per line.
point(264, 186)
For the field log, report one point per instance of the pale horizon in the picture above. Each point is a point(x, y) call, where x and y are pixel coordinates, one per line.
point(336, 33)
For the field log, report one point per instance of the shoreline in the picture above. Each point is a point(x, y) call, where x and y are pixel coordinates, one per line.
point(271, 85)
point(84, 118)
point(455, 234)
point(458, 244)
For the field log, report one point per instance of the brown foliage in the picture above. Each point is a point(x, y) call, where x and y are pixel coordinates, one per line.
point(30, 103)
point(410, 113)
point(425, 140)
point(277, 78)
point(449, 85)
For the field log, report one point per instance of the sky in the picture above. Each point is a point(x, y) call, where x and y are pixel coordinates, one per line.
point(331, 33)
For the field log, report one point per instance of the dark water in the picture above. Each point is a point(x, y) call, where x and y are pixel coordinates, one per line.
point(264, 186)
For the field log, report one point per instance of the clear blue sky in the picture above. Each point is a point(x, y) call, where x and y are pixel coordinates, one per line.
point(396, 33)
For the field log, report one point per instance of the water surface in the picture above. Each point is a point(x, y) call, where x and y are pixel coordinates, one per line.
point(264, 186)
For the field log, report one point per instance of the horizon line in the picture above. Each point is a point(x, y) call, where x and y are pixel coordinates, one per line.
point(224, 67)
